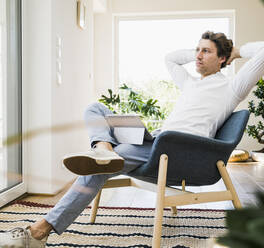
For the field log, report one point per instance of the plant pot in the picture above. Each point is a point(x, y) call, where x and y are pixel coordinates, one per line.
point(258, 156)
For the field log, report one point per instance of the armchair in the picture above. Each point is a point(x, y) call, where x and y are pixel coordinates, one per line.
point(181, 159)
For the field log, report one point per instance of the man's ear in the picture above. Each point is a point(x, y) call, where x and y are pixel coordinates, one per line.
point(222, 59)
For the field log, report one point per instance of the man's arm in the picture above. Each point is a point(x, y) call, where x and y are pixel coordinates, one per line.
point(174, 62)
point(251, 71)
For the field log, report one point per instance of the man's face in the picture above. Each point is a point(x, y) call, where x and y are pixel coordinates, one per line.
point(207, 61)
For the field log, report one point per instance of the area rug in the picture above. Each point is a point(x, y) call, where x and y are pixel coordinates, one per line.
point(122, 227)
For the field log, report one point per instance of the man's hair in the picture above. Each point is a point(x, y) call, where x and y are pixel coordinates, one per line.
point(224, 46)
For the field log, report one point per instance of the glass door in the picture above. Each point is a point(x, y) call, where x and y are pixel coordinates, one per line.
point(12, 182)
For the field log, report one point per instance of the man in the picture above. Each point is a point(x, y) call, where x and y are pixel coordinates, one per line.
point(201, 109)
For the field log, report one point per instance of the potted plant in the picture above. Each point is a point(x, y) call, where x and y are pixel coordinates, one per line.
point(245, 226)
point(129, 101)
point(256, 131)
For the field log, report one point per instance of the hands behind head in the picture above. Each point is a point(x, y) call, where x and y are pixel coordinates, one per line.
point(234, 55)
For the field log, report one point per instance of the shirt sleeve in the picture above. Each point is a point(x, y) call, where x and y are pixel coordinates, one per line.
point(174, 62)
point(251, 71)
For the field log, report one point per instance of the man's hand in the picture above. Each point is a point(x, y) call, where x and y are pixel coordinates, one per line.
point(234, 55)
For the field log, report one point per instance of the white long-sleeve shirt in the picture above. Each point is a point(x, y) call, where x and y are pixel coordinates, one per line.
point(204, 104)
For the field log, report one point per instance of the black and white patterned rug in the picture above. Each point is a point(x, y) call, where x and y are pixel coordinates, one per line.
point(122, 227)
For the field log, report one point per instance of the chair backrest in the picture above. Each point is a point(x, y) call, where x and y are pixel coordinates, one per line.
point(233, 128)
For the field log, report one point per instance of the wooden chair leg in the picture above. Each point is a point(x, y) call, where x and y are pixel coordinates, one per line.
point(174, 210)
point(160, 201)
point(228, 183)
point(95, 207)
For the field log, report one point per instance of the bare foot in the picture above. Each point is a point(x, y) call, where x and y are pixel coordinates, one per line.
point(40, 229)
point(104, 145)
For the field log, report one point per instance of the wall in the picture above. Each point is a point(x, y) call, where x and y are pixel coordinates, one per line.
point(249, 16)
point(48, 104)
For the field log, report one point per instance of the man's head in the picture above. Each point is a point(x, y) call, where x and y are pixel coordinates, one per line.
point(212, 53)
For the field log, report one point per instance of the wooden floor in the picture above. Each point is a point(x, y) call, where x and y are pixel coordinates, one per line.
point(247, 179)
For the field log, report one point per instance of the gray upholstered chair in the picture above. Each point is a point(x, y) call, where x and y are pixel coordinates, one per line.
point(180, 159)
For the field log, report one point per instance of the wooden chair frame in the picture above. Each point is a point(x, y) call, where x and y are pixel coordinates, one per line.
point(171, 197)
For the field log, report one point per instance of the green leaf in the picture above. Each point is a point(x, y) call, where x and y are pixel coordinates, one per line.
point(245, 226)
point(257, 108)
point(256, 229)
point(238, 240)
point(237, 220)
point(260, 199)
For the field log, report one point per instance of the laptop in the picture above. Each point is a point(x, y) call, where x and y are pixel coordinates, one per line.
point(128, 128)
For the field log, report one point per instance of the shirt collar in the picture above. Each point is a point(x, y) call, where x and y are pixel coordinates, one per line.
point(215, 75)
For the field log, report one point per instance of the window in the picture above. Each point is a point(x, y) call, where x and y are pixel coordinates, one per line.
point(11, 180)
point(143, 42)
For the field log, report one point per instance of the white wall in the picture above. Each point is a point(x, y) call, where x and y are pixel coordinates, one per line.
point(46, 103)
point(248, 27)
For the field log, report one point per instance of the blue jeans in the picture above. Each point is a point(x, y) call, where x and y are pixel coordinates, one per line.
point(85, 188)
